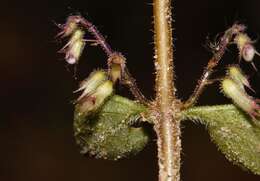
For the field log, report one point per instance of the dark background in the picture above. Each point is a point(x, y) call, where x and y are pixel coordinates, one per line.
point(36, 88)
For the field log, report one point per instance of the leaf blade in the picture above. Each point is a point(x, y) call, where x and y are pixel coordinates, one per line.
point(232, 131)
point(108, 133)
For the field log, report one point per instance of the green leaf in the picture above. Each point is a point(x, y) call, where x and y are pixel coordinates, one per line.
point(233, 131)
point(108, 133)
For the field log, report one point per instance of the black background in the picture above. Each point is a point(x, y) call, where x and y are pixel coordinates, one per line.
point(36, 88)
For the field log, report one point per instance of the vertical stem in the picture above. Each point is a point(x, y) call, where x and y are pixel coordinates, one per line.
point(167, 124)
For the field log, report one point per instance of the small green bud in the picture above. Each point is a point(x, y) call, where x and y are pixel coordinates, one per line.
point(92, 102)
point(115, 72)
point(90, 84)
point(236, 74)
point(116, 64)
point(74, 51)
point(78, 35)
point(240, 98)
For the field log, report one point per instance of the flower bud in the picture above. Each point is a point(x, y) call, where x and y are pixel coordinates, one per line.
point(92, 102)
point(246, 49)
point(116, 64)
point(240, 98)
point(241, 40)
point(236, 74)
point(74, 51)
point(115, 72)
point(90, 84)
point(78, 35)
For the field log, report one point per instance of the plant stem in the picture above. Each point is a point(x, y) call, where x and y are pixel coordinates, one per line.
point(167, 125)
point(98, 36)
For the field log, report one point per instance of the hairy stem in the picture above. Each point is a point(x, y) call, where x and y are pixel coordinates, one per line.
point(129, 81)
point(167, 125)
point(99, 37)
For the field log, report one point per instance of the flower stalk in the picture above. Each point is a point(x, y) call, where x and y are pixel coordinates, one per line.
point(219, 51)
